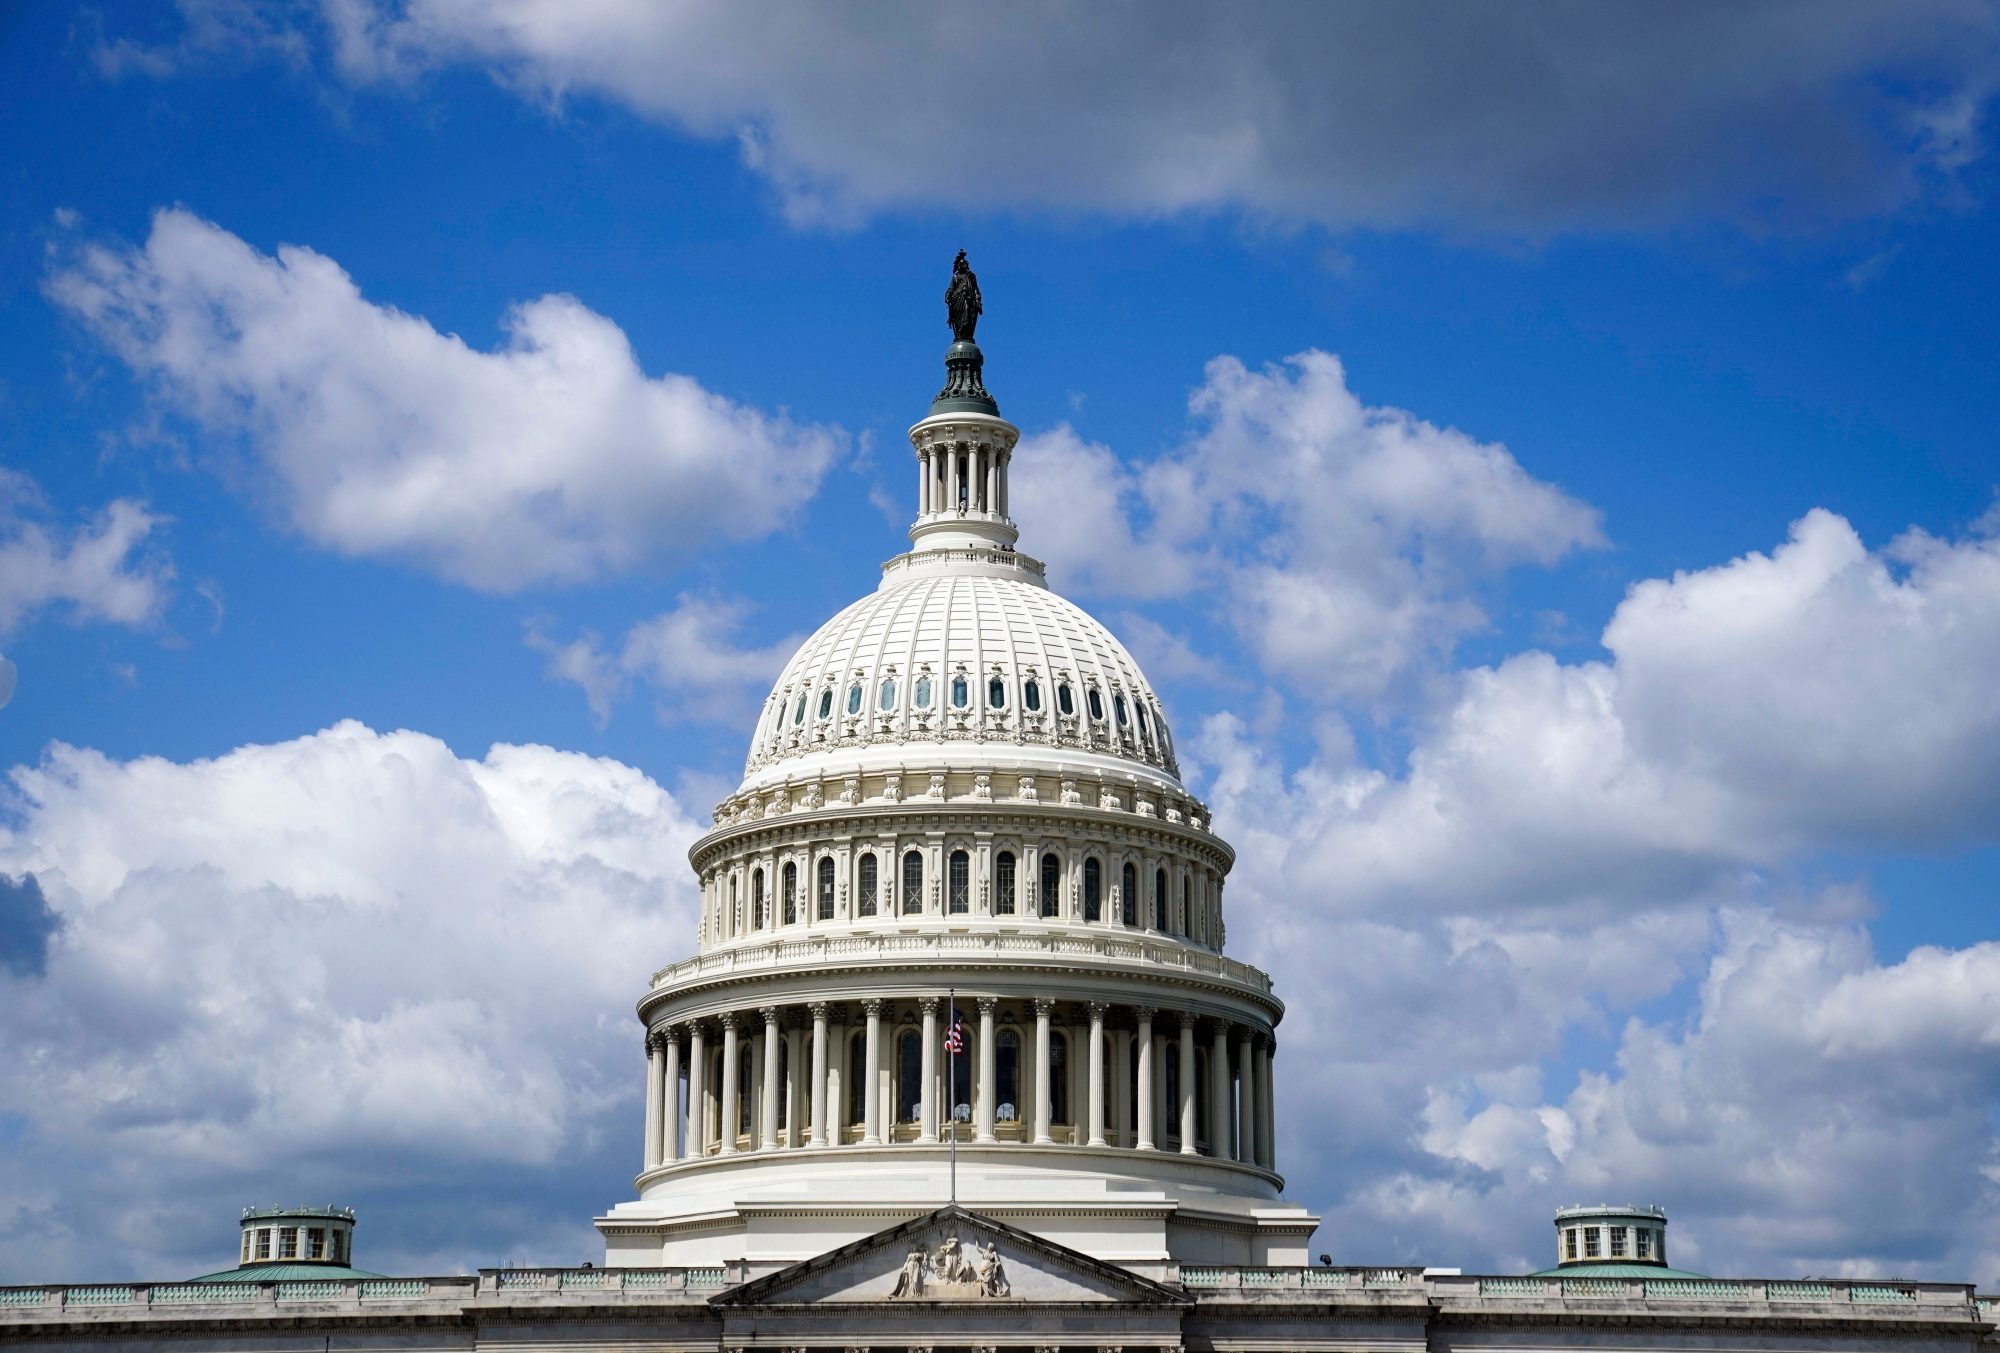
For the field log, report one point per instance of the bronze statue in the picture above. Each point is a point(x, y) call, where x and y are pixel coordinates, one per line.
point(961, 300)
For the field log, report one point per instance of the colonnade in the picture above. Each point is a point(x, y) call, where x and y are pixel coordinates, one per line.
point(969, 475)
point(1034, 1071)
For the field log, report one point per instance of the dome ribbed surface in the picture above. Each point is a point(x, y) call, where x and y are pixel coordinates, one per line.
point(949, 626)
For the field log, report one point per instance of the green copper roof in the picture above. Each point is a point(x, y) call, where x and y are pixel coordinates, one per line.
point(1615, 1270)
point(285, 1273)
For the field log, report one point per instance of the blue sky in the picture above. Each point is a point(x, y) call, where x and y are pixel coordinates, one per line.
point(1589, 651)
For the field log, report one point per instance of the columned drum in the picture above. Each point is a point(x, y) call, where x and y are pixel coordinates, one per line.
point(960, 921)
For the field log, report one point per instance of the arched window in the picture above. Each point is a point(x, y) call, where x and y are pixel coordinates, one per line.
point(1096, 702)
point(854, 698)
point(1159, 899)
point(1093, 890)
point(826, 887)
point(1007, 1076)
point(870, 882)
point(758, 920)
point(886, 701)
point(857, 1078)
point(1118, 704)
point(1182, 928)
point(1145, 729)
point(959, 884)
point(923, 695)
point(1128, 896)
point(1003, 883)
point(913, 882)
point(961, 692)
point(1031, 695)
point(790, 892)
point(1058, 1078)
point(1051, 893)
point(799, 710)
point(1065, 702)
point(909, 1075)
point(826, 702)
point(996, 694)
point(733, 921)
point(1166, 738)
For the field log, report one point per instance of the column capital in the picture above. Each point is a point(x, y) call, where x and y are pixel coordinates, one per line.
point(1143, 1014)
point(1188, 1019)
point(1044, 1006)
point(727, 1019)
point(986, 1004)
point(817, 1009)
point(1098, 1010)
point(872, 1007)
point(928, 1004)
point(655, 1041)
point(769, 1012)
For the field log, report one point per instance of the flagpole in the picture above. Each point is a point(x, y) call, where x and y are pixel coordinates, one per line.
point(951, 1081)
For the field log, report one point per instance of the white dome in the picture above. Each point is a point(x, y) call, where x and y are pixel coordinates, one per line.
point(920, 662)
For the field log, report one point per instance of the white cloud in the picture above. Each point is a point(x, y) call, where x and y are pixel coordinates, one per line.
point(554, 458)
point(345, 960)
point(689, 657)
point(1347, 537)
point(1485, 119)
point(97, 571)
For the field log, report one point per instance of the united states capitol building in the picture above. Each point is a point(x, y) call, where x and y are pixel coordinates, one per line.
point(961, 1062)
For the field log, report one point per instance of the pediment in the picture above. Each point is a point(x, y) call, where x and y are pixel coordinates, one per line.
point(952, 1256)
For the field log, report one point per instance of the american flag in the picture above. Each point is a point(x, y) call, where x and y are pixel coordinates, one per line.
point(954, 1038)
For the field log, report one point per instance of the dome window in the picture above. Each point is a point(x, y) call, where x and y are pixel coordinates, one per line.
point(960, 883)
point(923, 696)
point(1145, 728)
point(996, 694)
point(961, 692)
point(913, 882)
point(1159, 899)
point(1051, 896)
point(826, 702)
point(799, 710)
point(758, 919)
point(864, 905)
point(826, 881)
point(1065, 701)
point(1031, 695)
point(790, 891)
point(1003, 883)
point(1093, 890)
point(854, 698)
point(886, 701)
point(1096, 702)
point(1128, 896)
point(1118, 703)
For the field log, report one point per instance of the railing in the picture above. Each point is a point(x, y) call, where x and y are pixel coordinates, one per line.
point(1252, 1279)
point(818, 951)
point(510, 1282)
point(1775, 1292)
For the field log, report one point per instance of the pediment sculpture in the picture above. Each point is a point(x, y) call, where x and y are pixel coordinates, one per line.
point(951, 1272)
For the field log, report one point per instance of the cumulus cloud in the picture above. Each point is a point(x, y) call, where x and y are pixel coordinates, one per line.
point(1347, 537)
point(555, 458)
point(1487, 119)
point(346, 963)
point(689, 656)
point(99, 570)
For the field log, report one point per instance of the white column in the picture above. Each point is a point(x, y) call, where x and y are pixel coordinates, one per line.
point(731, 1052)
point(871, 1089)
point(656, 1073)
point(697, 1133)
point(1246, 1098)
point(1220, 1119)
point(1142, 1047)
point(927, 1113)
point(1042, 1010)
point(923, 483)
point(982, 1127)
point(837, 1072)
point(769, 1125)
point(1188, 1088)
point(1000, 483)
point(1266, 1117)
point(1121, 1088)
point(818, 1138)
point(794, 1134)
point(670, 1140)
point(1097, 1073)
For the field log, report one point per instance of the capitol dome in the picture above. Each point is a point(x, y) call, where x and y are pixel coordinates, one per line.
point(988, 663)
point(962, 934)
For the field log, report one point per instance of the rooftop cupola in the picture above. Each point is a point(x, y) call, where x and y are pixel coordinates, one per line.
point(963, 446)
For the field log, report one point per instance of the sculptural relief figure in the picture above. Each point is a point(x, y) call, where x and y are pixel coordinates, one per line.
point(910, 1282)
point(952, 1265)
point(962, 304)
point(992, 1273)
